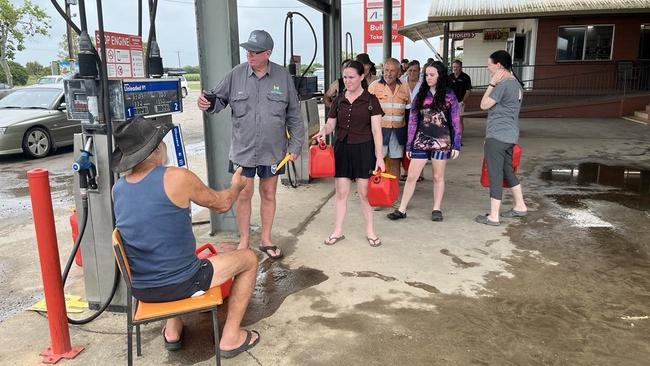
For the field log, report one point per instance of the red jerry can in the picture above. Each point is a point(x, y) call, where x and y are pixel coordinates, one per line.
point(406, 162)
point(75, 233)
point(383, 190)
point(321, 160)
point(208, 250)
point(516, 158)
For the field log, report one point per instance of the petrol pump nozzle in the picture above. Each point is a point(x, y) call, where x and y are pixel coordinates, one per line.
point(86, 168)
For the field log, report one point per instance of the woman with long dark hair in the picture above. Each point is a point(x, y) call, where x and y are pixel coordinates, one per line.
point(502, 100)
point(433, 134)
point(356, 117)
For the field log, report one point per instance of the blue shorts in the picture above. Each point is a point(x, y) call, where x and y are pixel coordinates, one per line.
point(432, 154)
point(262, 171)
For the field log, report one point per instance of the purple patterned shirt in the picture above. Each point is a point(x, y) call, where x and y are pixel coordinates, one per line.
point(429, 129)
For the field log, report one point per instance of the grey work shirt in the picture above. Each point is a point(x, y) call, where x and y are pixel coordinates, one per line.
point(263, 110)
point(503, 117)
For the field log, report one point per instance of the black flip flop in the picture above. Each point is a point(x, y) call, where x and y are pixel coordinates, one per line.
point(268, 249)
point(173, 346)
point(244, 347)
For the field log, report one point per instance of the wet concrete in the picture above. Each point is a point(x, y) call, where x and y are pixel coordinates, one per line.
point(275, 282)
point(626, 185)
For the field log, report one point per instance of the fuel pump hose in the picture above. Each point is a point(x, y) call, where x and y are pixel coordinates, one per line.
point(68, 266)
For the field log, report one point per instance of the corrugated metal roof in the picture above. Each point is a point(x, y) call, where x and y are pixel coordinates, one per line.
point(456, 10)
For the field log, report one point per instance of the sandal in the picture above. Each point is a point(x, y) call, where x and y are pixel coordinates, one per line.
point(374, 242)
point(396, 215)
point(175, 345)
point(514, 213)
point(331, 240)
point(244, 347)
point(269, 249)
point(483, 219)
point(436, 215)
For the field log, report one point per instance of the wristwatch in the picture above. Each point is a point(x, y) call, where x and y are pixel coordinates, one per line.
point(493, 85)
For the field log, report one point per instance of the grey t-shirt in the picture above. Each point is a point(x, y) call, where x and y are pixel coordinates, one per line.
point(503, 117)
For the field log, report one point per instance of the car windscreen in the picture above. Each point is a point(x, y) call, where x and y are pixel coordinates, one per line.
point(30, 98)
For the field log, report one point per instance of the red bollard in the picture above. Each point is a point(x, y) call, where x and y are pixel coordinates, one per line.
point(48, 253)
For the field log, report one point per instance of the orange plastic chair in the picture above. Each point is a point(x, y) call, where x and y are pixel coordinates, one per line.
point(143, 313)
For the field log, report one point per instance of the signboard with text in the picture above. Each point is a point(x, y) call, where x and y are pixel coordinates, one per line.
point(373, 24)
point(124, 55)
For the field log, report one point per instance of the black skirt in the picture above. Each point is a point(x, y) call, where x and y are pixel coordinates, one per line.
point(354, 160)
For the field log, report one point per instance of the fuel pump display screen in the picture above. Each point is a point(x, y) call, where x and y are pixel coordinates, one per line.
point(149, 98)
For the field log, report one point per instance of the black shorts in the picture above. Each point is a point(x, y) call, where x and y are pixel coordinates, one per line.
point(178, 291)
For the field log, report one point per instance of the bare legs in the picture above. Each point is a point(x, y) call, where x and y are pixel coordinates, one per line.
point(343, 186)
point(267, 191)
point(415, 168)
point(519, 204)
point(241, 264)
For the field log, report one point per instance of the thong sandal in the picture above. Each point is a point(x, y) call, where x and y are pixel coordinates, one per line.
point(331, 240)
point(269, 249)
point(244, 347)
point(374, 242)
point(175, 345)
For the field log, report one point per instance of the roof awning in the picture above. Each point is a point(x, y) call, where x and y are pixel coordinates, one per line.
point(468, 10)
point(422, 30)
point(442, 11)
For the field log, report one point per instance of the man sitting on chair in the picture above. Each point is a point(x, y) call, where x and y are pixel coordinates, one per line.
point(152, 213)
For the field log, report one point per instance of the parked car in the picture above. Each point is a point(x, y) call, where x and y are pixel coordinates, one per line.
point(5, 90)
point(320, 80)
point(184, 84)
point(50, 79)
point(33, 121)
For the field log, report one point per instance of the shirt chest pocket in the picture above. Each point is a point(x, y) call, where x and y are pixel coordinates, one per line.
point(238, 105)
point(277, 104)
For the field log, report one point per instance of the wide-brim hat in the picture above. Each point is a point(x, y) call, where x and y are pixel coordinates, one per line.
point(136, 139)
point(259, 40)
point(364, 59)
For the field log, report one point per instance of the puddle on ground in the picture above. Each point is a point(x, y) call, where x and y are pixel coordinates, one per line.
point(275, 282)
point(424, 286)
point(368, 274)
point(625, 185)
point(459, 262)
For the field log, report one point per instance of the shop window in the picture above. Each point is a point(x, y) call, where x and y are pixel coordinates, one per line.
point(644, 48)
point(590, 42)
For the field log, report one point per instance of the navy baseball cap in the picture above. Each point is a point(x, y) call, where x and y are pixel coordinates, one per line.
point(259, 40)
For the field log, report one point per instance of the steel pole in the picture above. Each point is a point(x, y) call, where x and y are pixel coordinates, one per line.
point(48, 254)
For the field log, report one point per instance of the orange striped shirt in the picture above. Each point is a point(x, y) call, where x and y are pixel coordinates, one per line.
point(392, 102)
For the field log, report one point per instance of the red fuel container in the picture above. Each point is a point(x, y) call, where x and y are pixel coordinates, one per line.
point(75, 233)
point(406, 162)
point(208, 250)
point(383, 190)
point(321, 160)
point(516, 158)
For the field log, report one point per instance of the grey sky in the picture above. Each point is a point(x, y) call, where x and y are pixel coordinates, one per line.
point(176, 27)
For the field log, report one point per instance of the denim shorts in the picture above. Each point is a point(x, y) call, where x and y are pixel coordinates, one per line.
point(432, 154)
point(262, 171)
point(199, 282)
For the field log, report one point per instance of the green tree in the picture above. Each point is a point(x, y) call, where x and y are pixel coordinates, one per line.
point(313, 67)
point(192, 69)
point(17, 23)
point(35, 69)
point(18, 74)
point(63, 46)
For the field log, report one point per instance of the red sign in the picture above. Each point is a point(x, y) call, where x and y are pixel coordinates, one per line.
point(373, 23)
point(124, 55)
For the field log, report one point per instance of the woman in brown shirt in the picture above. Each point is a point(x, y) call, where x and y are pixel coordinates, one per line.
point(356, 117)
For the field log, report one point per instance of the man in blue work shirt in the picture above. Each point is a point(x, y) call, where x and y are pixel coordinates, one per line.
point(265, 107)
